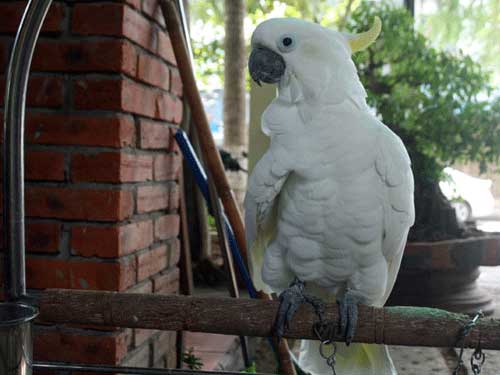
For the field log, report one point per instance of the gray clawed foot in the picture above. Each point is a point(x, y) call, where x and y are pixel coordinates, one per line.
point(348, 311)
point(290, 300)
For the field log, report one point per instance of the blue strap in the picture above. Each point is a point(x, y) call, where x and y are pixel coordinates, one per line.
point(202, 182)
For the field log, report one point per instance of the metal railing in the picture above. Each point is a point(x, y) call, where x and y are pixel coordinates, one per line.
point(13, 151)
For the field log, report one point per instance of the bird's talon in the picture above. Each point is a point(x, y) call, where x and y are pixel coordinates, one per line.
point(290, 300)
point(348, 311)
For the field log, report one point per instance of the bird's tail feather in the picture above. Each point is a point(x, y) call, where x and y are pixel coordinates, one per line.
point(355, 359)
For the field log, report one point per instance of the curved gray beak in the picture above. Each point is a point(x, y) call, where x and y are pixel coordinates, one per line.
point(265, 65)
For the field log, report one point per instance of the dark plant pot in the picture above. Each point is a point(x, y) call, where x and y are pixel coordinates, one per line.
point(444, 274)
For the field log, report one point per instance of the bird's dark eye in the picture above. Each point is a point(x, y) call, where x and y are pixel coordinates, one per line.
point(286, 43)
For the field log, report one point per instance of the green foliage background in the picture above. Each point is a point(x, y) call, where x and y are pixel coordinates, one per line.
point(208, 48)
point(473, 25)
point(431, 98)
point(439, 103)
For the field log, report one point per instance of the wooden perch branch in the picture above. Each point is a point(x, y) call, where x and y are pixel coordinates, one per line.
point(408, 326)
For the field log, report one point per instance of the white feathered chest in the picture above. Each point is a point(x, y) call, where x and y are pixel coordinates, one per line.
point(331, 207)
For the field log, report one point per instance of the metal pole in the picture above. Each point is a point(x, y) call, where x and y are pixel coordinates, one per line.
point(54, 366)
point(13, 151)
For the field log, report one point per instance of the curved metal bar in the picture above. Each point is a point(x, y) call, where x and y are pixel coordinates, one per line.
point(13, 151)
point(126, 370)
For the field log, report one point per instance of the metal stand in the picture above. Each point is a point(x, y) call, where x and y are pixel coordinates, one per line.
point(16, 345)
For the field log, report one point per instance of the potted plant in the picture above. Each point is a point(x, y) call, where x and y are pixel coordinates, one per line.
point(440, 105)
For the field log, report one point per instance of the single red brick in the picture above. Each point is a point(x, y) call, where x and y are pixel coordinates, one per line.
point(113, 241)
point(12, 12)
point(111, 167)
point(167, 166)
point(167, 282)
point(139, 99)
point(43, 237)
point(107, 348)
point(45, 165)
point(174, 198)
point(140, 30)
point(117, 276)
point(89, 241)
point(176, 82)
point(153, 71)
point(154, 135)
point(152, 198)
point(178, 111)
point(167, 227)
point(98, 94)
point(135, 236)
point(57, 129)
point(116, 20)
point(43, 91)
point(151, 262)
point(98, 19)
point(45, 273)
point(83, 204)
point(174, 252)
point(151, 102)
point(165, 49)
point(108, 55)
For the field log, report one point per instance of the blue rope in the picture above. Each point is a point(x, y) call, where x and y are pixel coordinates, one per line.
point(202, 182)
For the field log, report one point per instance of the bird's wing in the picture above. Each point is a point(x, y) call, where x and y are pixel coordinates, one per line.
point(264, 186)
point(394, 167)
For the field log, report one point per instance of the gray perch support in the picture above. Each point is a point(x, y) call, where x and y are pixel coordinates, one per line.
point(409, 326)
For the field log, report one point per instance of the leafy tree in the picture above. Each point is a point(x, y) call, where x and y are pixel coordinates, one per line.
point(438, 102)
point(432, 100)
point(207, 20)
point(471, 25)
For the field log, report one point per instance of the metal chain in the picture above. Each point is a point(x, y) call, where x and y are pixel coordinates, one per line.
point(330, 358)
point(325, 331)
point(478, 357)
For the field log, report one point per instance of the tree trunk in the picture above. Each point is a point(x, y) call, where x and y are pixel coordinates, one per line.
point(234, 74)
point(235, 132)
point(435, 218)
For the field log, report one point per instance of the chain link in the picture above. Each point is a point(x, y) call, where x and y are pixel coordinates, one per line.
point(478, 357)
point(325, 331)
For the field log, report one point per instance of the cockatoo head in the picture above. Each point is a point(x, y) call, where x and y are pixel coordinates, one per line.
point(308, 61)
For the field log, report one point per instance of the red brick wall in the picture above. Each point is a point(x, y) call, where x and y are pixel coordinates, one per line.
point(102, 168)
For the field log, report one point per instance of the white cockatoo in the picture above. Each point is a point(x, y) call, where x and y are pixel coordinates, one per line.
point(330, 202)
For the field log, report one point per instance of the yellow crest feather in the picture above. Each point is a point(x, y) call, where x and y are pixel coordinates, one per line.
point(361, 41)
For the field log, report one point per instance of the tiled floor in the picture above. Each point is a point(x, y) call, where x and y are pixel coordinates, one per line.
point(214, 351)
